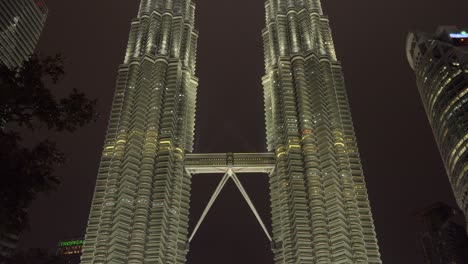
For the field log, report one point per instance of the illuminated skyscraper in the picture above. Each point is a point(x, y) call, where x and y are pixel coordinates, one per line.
point(320, 209)
point(139, 212)
point(321, 212)
point(21, 24)
point(440, 62)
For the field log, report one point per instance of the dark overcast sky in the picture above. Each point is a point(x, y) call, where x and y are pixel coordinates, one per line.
point(401, 162)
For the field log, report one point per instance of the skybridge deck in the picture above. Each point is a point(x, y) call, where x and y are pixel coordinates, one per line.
point(237, 162)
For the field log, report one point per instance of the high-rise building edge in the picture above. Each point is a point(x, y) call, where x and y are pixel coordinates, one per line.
point(21, 24)
point(320, 207)
point(440, 63)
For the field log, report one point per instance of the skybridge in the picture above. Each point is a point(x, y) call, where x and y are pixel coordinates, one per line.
point(237, 162)
point(230, 164)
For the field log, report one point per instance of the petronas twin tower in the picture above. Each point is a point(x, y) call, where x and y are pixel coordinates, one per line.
point(320, 209)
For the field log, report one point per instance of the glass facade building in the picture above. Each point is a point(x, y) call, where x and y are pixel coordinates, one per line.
point(21, 24)
point(440, 62)
point(320, 207)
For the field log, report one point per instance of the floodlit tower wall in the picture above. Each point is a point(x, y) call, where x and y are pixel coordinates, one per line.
point(139, 212)
point(320, 207)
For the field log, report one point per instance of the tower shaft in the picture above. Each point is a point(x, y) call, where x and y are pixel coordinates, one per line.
point(139, 212)
point(320, 208)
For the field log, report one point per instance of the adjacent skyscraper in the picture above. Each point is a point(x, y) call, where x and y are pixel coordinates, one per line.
point(320, 209)
point(440, 62)
point(21, 23)
point(443, 238)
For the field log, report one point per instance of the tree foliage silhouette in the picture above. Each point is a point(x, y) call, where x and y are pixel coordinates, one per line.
point(27, 103)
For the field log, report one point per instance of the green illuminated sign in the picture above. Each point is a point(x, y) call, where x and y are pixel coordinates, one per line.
point(71, 243)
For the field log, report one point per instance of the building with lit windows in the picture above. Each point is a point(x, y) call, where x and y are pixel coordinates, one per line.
point(21, 24)
point(443, 237)
point(70, 250)
point(319, 202)
point(320, 207)
point(440, 62)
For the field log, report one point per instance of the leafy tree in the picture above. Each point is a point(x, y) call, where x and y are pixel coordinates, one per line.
point(27, 103)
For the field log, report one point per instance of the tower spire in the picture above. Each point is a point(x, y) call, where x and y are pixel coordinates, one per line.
point(315, 5)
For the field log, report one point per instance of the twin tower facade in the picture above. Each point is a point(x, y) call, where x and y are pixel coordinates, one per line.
point(320, 209)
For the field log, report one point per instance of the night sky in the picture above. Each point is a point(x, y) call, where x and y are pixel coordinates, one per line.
point(401, 162)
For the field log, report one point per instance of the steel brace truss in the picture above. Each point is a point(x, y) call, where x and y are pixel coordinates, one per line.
point(229, 174)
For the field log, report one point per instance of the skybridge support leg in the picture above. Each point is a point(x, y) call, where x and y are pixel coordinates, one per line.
point(249, 202)
point(233, 176)
point(210, 203)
